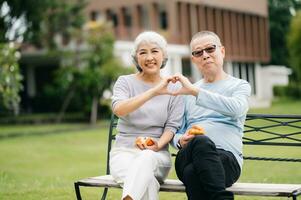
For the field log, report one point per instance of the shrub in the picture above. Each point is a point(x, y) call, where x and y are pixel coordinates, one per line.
point(293, 90)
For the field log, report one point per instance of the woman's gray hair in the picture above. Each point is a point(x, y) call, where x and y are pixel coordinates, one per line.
point(150, 37)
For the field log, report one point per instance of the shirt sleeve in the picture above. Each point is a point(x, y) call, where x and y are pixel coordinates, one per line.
point(120, 91)
point(175, 110)
point(175, 114)
point(234, 106)
point(180, 131)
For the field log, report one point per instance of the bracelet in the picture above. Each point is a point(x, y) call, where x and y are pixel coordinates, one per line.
point(179, 145)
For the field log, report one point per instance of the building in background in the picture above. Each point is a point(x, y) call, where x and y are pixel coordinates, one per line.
point(241, 24)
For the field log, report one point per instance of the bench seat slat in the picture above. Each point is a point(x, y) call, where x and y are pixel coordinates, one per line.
point(171, 185)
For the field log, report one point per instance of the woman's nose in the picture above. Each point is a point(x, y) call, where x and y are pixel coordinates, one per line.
point(149, 56)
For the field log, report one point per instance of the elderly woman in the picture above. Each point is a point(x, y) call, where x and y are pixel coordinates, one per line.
point(144, 108)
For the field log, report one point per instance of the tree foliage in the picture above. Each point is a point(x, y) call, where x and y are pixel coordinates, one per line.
point(294, 45)
point(94, 70)
point(280, 14)
point(10, 78)
point(42, 20)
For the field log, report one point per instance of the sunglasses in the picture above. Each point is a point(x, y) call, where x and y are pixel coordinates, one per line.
point(199, 53)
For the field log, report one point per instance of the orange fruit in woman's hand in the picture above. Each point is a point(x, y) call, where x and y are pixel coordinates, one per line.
point(149, 141)
point(139, 141)
point(144, 140)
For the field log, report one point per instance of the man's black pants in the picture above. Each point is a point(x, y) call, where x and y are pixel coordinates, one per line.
point(206, 171)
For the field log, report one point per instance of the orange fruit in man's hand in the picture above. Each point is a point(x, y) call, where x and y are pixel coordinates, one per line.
point(196, 130)
point(144, 140)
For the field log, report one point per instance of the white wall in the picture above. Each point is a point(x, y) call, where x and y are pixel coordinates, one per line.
point(271, 76)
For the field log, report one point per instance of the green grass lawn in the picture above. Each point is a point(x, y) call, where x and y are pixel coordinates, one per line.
point(34, 165)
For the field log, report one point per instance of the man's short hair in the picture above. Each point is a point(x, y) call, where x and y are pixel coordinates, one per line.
point(203, 34)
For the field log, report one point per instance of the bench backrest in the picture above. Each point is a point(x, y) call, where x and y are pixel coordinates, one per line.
point(260, 129)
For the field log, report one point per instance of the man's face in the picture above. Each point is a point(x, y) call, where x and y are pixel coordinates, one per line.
point(208, 55)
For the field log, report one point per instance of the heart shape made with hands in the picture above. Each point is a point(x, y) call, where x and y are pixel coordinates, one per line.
point(178, 84)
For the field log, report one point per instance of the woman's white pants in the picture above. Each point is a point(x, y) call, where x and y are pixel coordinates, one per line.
point(139, 171)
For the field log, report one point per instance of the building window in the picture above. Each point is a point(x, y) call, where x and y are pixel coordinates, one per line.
point(245, 71)
point(127, 17)
point(186, 67)
point(112, 16)
point(163, 22)
point(94, 15)
point(145, 18)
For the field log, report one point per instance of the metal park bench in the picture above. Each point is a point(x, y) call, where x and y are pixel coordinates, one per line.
point(260, 129)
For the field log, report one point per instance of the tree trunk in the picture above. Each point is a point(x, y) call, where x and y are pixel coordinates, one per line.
point(65, 104)
point(94, 108)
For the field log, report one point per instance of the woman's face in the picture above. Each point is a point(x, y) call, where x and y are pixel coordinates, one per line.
point(150, 57)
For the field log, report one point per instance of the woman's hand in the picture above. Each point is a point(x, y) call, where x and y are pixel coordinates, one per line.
point(187, 87)
point(161, 88)
point(154, 147)
point(124, 107)
point(147, 143)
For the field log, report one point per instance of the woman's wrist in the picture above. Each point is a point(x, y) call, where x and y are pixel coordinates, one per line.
point(152, 92)
point(160, 145)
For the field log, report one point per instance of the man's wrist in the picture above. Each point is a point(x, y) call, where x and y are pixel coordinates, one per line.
point(194, 91)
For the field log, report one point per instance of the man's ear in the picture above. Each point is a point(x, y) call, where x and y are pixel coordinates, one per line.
point(193, 59)
point(223, 50)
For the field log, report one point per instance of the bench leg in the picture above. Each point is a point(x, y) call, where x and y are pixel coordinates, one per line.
point(77, 191)
point(104, 194)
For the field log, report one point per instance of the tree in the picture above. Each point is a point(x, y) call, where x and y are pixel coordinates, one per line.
point(10, 78)
point(39, 21)
point(294, 46)
point(92, 71)
point(39, 24)
point(280, 14)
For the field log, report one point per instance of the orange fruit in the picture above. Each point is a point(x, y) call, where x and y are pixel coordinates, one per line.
point(144, 140)
point(196, 130)
point(149, 141)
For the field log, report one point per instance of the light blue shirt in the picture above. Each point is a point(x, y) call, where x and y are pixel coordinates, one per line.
point(220, 108)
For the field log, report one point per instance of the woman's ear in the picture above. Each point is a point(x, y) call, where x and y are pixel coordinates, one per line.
point(164, 63)
point(135, 61)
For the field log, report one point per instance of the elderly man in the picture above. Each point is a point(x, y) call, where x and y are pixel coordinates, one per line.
point(209, 163)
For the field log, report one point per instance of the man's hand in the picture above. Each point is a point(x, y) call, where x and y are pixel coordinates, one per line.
point(185, 139)
point(187, 87)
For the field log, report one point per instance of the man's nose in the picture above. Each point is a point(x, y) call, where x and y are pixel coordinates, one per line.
point(205, 55)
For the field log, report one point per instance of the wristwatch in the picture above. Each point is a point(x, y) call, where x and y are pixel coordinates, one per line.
point(179, 145)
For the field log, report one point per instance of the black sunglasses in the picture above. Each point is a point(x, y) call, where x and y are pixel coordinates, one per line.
point(199, 53)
